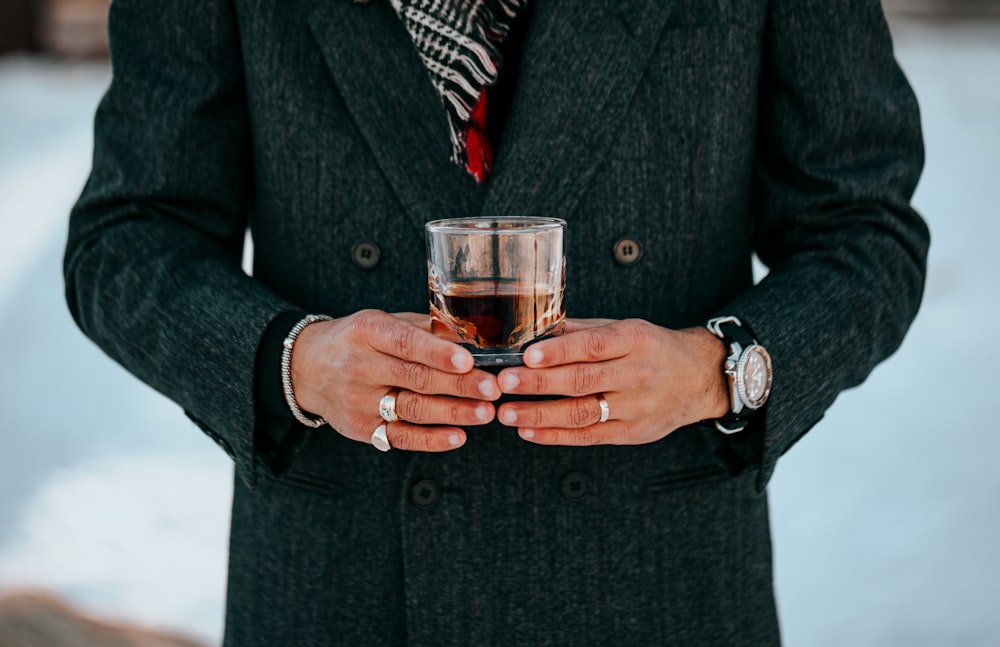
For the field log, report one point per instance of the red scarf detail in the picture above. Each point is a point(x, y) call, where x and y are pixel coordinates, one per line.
point(478, 151)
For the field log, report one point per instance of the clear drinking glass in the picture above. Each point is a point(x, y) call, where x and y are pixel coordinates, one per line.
point(496, 284)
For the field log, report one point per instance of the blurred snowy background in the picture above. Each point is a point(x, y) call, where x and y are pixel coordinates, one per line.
point(886, 516)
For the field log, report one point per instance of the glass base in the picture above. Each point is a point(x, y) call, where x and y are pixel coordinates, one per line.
point(484, 357)
point(506, 356)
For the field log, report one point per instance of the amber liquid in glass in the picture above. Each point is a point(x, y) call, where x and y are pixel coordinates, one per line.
point(496, 314)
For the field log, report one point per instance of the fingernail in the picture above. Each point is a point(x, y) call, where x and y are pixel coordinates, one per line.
point(461, 361)
point(483, 413)
point(508, 417)
point(533, 356)
point(509, 382)
point(527, 433)
point(487, 388)
point(455, 440)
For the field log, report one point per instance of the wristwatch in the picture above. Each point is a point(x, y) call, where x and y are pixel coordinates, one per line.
point(748, 368)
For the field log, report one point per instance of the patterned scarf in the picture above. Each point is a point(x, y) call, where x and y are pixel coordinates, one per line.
point(459, 43)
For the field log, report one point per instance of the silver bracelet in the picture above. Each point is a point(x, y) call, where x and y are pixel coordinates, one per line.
point(286, 370)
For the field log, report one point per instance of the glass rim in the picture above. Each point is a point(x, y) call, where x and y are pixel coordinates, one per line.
point(482, 224)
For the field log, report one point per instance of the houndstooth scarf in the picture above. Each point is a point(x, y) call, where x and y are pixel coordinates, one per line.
point(459, 43)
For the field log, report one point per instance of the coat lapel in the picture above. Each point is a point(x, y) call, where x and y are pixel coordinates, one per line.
point(388, 92)
point(581, 64)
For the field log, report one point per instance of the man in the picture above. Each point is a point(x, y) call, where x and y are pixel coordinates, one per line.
point(628, 506)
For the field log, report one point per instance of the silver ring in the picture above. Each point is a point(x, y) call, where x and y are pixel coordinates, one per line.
point(387, 406)
point(379, 440)
point(605, 409)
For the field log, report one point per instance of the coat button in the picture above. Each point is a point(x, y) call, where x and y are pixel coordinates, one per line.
point(575, 485)
point(627, 252)
point(424, 493)
point(366, 255)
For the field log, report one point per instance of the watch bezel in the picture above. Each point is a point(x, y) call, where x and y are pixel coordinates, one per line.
point(742, 379)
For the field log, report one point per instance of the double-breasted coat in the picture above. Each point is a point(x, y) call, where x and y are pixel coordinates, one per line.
point(699, 133)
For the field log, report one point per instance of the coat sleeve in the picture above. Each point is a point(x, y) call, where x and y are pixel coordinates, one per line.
point(839, 154)
point(152, 262)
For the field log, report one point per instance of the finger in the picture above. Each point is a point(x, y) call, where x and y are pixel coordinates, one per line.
point(573, 325)
point(567, 413)
point(435, 410)
point(588, 344)
point(609, 433)
point(574, 380)
point(415, 438)
point(422, 321)
point(420, 378)
point(398, 338)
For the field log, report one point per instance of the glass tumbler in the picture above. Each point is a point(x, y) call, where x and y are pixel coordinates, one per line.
point(496, 284)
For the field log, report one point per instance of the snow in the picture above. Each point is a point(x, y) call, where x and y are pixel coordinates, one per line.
point(886, 516)
point(45, 115)
point(141, 536)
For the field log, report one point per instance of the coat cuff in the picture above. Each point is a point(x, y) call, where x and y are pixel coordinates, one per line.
point(277, 436)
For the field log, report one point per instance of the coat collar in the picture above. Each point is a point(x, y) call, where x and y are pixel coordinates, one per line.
point(581, 64)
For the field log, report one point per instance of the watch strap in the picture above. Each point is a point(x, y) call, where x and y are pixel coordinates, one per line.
point(731, 328)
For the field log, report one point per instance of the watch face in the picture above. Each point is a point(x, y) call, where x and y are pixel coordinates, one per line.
point(755, 376)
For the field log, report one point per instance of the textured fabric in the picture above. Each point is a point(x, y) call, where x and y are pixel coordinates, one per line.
point(701, 132)
point(459, 44)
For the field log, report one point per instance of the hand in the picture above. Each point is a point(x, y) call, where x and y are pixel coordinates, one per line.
point(654, 380)
point(341, 369)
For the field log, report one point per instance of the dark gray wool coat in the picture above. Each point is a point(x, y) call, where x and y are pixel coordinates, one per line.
point(702, 131)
